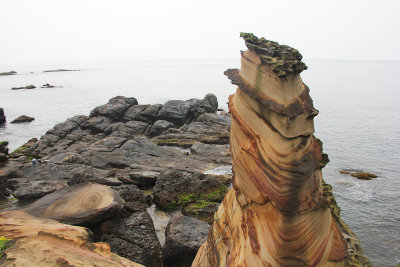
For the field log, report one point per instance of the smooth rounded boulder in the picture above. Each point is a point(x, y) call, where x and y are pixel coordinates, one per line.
point(80, 204)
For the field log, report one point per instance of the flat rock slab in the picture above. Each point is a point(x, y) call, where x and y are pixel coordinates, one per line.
point(80, 204)
point(18, 224)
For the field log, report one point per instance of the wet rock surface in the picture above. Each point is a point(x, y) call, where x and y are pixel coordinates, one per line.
point(125, 146)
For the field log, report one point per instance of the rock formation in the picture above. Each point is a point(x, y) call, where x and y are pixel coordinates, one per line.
point(2, 116)
point(43, 242)
point(279, 211)
point(23, 118)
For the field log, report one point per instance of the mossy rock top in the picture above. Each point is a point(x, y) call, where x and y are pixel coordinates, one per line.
point(282, 59)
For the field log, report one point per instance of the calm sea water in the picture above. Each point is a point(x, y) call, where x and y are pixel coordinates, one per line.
point(358, 122)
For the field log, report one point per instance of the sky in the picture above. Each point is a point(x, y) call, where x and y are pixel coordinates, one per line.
point(57, 31)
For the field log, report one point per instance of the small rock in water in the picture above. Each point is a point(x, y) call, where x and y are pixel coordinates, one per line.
point(47, 85)
point(8, 73)
point(2, 117)
point(31, 86)
point(359, 175)
point(23, 118)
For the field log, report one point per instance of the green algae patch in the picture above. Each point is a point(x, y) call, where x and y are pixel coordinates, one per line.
point(4, 244)
point(202, 199)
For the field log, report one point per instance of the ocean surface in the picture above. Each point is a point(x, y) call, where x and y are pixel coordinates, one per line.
point(358, 122)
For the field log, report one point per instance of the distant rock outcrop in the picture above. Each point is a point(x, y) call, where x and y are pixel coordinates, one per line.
point(279, 211)
point(2, 116)
point(31, 86)
point(23, 118)
point(8, 73)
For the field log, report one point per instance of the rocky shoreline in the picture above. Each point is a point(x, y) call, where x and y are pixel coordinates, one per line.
point(145, 154)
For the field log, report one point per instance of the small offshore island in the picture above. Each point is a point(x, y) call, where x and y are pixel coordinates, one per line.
point(80, 195)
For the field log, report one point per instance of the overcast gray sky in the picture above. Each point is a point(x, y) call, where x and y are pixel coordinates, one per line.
point(57, 31)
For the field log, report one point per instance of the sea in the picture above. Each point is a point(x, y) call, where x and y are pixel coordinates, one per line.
point(358, 122)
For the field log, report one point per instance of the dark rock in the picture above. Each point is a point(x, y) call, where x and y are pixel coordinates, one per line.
point(23, 118)
point(2, 116)
point(202, 210)
point(37, 189)
point(128, 129)
point(175, 111)
point(144, 179)
point(209, 128)
point(149, 114)
point(115, 108)
point(110, 181)
point(174, 189)
point(8, 73)
point(4, 147)
point(81, 204)
point(134, 238)
point(97, 124)
point(59, 70)
point(183, 237)
point(47, 85)
point(63, 129)
point(31, 86)
point(133, 112)
point(134, 198)
point(359, 174)
point(159, 127)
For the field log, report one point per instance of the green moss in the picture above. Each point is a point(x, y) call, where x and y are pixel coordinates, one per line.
point(4, 244)
point(217, 195)
point(201, 204)
point(172, 205)
point(166, 141)
point(3, 143)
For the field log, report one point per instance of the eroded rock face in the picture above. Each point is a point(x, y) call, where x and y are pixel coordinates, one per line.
point(2, 116)
point(279, 212)
point(44, 242)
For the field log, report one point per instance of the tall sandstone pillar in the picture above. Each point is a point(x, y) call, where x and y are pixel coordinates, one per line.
point(279, 211)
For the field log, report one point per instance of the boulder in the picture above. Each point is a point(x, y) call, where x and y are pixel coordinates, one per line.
point(115, 108)
point(81, 204)
point(216, 153)
point(134, 238)
point(183, 237)
point(23, 118)
point(128, 129)
point(2, 116)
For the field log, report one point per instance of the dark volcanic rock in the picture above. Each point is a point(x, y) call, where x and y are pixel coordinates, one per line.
point(134, 198)
point(144, 179)
point(97, 124)
point(37, 189)
point(176, 188)
point(183, 237)
point(23, 118)
point(149, 114)
point(159, 127)
point(2, 116)
point(134, 238)
point(115, 108)
point(180, 112)
point(210, 128)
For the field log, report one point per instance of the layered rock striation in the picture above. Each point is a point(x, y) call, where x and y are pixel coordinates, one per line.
point(279, 211)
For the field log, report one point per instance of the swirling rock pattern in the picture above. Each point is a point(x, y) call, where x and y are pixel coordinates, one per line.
point(279, 211)
point(81, 204)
